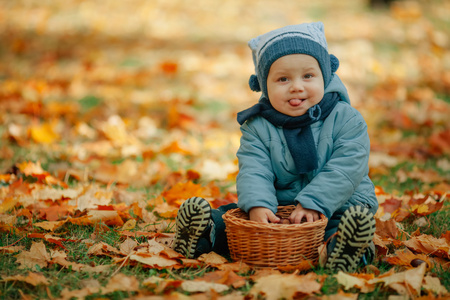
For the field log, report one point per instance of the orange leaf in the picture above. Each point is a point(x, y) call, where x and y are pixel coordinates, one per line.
point(386, 229)
point(405, 257)
point(182, 191)
point(224, 277)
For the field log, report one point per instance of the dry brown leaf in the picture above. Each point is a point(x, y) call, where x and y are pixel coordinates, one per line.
point(224, 277)
point(429, 245)
point(37, 255)
point(433, 285)
point(405, 257)
point(212, 259)
point(121, 282)
point(238, 267)
point(341, 295)
point(128, 246)
point(203, 286)
point(31, 278)
point(354, 281)
point(386, 229)
point(409, 279)
point(274, 287)
point(102, 248)
point(109, 217)
point(50, 225)
point(153, 261)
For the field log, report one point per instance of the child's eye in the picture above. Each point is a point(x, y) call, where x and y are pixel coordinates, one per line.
point(309, 76)
point(283, 79)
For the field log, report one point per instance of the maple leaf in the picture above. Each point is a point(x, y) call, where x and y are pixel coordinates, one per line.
point(405, 257)
point(274, 287)
point(429, 245)
point(224, 277)
point(354, 281)
point(31, 278)
point(43, 133)
point(102, 248)
point(212, 259)
point(193, 286)
point(433, 285)
point(109, 217)
point(403, 281)
point(182, 191)
point(37, 256)
point(121, 282)
point(386, 229)
point(153, 261)
point(50, 225)
point(127, 247)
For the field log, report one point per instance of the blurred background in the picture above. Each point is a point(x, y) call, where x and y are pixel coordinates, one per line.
point(132, 90)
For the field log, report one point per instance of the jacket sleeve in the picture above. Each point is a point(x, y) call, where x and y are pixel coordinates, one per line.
point(255, 180)
point(335, 183)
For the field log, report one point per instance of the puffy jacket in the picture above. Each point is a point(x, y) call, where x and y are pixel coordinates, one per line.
point(268, 177)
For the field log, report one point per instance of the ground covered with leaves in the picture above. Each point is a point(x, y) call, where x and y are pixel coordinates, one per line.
point(113, 113)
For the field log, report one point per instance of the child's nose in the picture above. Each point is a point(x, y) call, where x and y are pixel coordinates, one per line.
point(297, 85)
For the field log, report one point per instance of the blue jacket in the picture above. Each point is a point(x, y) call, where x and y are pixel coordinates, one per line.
point(268, 177)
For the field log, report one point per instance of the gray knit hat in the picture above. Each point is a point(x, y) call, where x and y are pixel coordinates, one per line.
point(308, 38)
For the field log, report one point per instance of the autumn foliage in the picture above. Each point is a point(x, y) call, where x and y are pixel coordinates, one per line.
point(110, 120)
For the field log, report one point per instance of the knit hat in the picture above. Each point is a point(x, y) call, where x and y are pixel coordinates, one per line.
point(308, 38)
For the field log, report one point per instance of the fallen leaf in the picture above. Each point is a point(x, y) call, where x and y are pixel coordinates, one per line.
point(411, 278)
point(353, 281)
point(128, 246)
point(433, 285)
point(274, 287)
point(37, 255)
point(31, 278)
point(228, 278)
point(212, 259)
point(153, 261)
point(203, 286)
point(429, 245)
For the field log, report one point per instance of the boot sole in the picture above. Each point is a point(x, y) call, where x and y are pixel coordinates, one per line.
point(356, 231)
point(192, 219)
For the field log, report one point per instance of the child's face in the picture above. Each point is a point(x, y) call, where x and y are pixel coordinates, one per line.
point(294, 84)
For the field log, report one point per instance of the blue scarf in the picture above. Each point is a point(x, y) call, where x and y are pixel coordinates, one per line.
point(297, 130)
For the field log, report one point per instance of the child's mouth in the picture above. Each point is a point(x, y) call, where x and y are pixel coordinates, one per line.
point(295, 102)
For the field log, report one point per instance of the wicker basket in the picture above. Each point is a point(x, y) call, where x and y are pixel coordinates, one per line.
point(273, 245)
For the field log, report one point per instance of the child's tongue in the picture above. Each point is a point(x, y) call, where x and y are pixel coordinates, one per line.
point(295, 102)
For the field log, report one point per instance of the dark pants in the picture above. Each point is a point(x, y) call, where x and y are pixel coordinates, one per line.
point(220, 244)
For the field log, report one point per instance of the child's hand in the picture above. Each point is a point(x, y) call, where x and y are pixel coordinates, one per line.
point(300, 213)
point(263, 215)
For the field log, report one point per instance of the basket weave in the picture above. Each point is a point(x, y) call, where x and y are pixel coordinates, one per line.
point(273, 245)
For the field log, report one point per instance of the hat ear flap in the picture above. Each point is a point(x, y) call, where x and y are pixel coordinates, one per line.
point(334, 63)
point(254, 83)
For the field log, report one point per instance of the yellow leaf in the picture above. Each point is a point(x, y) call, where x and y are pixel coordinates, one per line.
point(43, 133)
point(130, 224)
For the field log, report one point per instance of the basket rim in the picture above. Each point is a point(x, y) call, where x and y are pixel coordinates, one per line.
point(231, 217)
